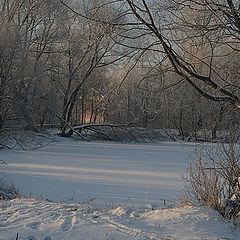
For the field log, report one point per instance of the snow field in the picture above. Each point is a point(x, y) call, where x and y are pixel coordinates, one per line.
point(37, 219)
point(129, 181)
point(110, 172)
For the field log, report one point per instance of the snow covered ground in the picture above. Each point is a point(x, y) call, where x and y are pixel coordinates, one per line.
point(129, 182)
point(111, 173)
point(40, 220)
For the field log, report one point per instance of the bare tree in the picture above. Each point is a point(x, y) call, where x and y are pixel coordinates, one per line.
point(175, 26)
point(89, 48)
point(26, 33)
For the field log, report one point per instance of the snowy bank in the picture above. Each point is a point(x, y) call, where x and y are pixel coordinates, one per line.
point(37, 219)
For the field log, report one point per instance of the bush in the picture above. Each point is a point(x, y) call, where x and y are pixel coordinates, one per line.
point(213, 178)
point(7, 191)
point(24, 139)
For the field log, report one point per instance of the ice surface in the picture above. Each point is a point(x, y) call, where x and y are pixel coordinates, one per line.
point(109, 172)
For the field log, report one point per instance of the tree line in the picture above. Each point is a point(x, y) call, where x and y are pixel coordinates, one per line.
point(156, 64)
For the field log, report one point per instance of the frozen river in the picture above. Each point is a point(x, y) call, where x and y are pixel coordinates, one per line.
point(111, 173)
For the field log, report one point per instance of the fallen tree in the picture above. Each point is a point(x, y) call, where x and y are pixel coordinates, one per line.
point(98, 129)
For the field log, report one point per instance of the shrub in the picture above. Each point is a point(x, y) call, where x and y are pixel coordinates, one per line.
point(213, 178)
point(7, 191)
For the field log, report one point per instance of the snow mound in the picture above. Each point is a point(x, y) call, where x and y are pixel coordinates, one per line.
point(36, 219)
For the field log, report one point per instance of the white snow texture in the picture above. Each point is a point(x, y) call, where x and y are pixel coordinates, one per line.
point(129, 182)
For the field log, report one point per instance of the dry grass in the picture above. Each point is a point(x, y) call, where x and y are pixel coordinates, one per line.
point(213, 178)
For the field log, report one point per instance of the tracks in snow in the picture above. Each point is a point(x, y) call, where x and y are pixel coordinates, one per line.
point(35, 220)
point(41, 220)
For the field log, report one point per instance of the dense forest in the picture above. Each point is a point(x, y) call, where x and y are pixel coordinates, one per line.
point(154, 64)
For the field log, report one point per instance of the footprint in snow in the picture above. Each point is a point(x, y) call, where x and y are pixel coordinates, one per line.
point(33, 225)
point(31, 237)
point(67, 224)
point(48, 238)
